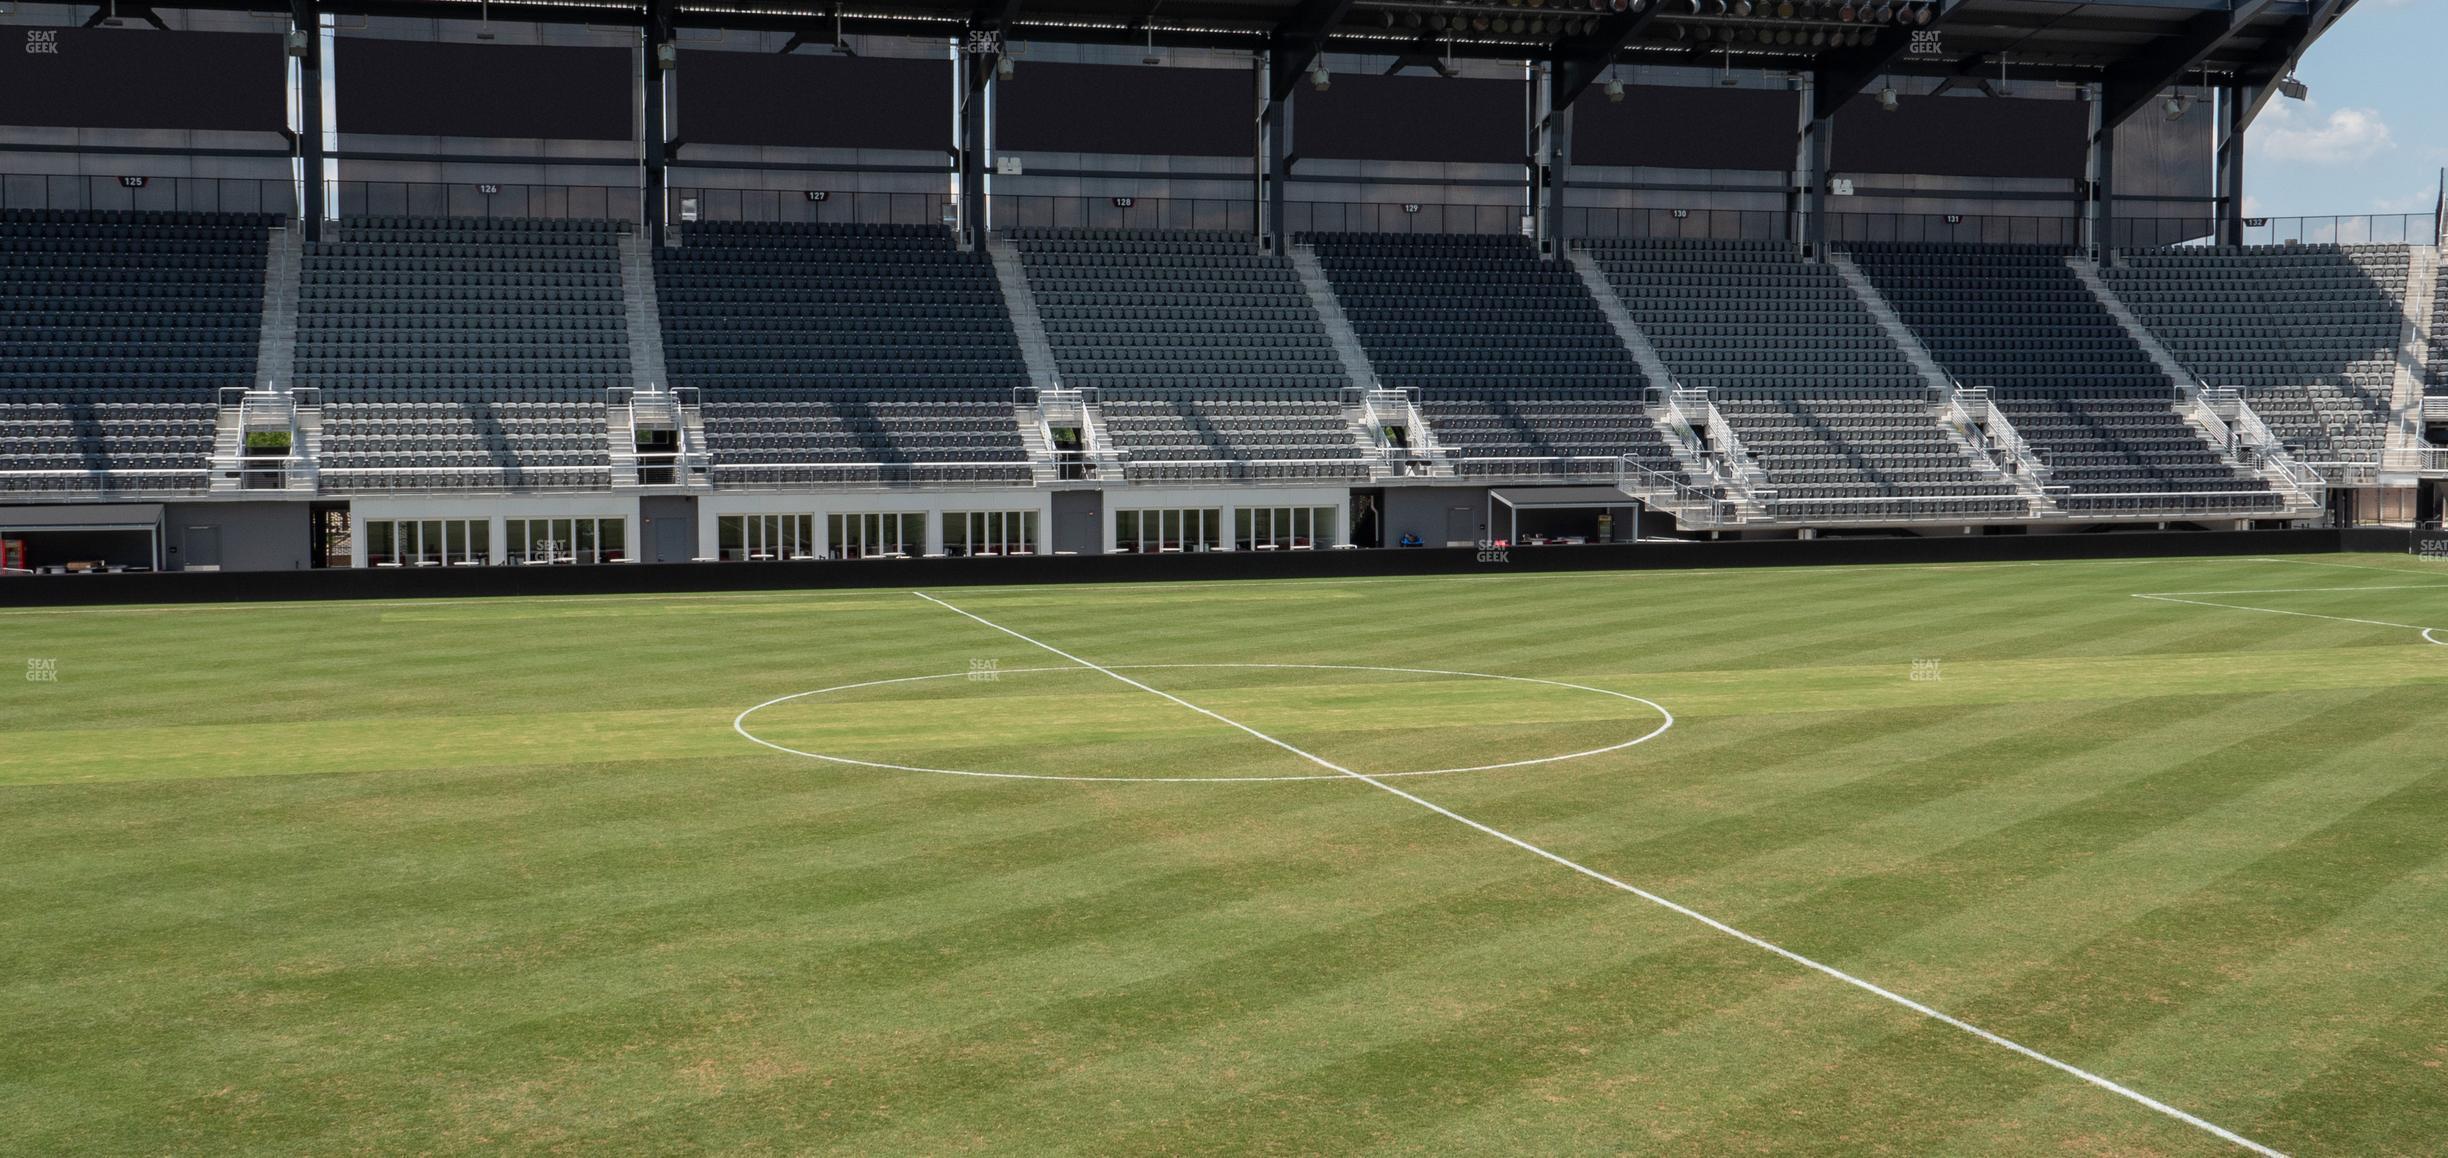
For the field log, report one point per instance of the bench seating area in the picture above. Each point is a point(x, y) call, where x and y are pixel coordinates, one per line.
point(1843, 425)
point(460, 353)
point(2014, 319)
point(1516, 367)
point(2307, 333)
point(1209, 361)
point(1859, 460)
point(864, 355)
point(1207, 435)
point(117, 333)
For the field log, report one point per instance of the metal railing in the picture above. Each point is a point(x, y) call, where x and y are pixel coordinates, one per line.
point(1402, 217)
point(868, 475)
point(1689, 505)
point(90, 193)
point(1604, 223)
point(2239, 504)
point(1955, 227)
point(2344, 229)
point(2422, 457)
point(805, 206)
point(349, 199)
point(1035, 211)
point(1243, 470)
point(1899, 508)
point(477, 480)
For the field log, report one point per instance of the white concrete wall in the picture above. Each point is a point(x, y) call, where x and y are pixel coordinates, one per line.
point(494, 510)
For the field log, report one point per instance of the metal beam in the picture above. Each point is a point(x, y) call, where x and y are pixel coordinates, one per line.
point(1580, 59)
point(655, 128)
point(1296, 43)
point(1841, 75)
point(2132, 84)
point(303, 17)
point(2299, 40)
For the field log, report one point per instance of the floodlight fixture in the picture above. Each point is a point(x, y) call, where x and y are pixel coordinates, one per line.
point(1887, 98)
point(1317, 76)
point(2293, 89)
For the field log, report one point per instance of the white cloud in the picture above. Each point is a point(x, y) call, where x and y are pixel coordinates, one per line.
point(2289, 132)
point(2416, 202)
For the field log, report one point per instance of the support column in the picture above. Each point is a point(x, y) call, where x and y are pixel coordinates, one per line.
point(1818, 144)
point(1797, 193)
point(661, 64)
point(1553, 166)
point(980, 71)
point(1278, 168)
point(2231, 166)
point(2099, 210)
point(307, 26)
point(1262, 222)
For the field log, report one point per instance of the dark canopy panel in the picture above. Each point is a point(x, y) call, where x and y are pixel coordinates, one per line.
point(1106, 108)
point(122, 78)
point(483, 90)
point(1411, 118)
point(1964, 136)
point(815, 101)
point(1687, 128)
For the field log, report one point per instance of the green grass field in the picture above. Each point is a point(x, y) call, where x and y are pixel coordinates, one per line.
point(501, 874)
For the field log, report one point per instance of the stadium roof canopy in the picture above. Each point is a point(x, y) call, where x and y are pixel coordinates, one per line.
point(2136, 48)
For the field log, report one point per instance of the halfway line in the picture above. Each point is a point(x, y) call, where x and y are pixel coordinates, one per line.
point(1712, 922)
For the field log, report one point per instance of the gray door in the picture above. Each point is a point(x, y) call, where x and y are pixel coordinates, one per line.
point(1460, 526)
point(203, 549)
point(672, 543)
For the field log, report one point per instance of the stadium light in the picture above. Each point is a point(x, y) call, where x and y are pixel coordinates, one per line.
point(1004, 68)
point(2177, 105)
point(1887, 98)
point(1317, 76)
point(2293, 89)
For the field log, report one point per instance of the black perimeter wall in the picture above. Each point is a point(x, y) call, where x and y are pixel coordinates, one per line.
point(420, 88)
point(233, 586)
point(124, 78)
point(815, 101)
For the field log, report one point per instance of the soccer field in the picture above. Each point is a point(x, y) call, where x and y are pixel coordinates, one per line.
point(2090, 857)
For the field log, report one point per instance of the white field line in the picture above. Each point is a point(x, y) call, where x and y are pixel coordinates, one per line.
point(739, 724)
point(2298, 614)
point(2339, 566)
point(1703, 918)
point(2297, 590)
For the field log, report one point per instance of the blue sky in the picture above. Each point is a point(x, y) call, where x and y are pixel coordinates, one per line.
point(2374, 135)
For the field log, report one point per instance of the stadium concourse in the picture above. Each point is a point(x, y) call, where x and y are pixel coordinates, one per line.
point(1011, 310)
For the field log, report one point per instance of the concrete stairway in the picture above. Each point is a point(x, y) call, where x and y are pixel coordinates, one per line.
point(1027, 324)
point(1030, 419)
point(645, 313)
point(1932, 374)
point(1355, 359)
point(1653, 368)
point(2414, 348)
point(276, 349)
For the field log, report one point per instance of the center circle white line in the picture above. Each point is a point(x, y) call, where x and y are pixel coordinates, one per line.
point(739, 724)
